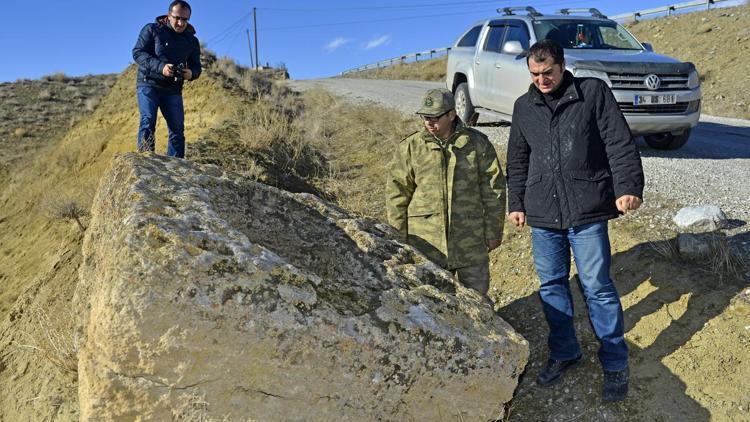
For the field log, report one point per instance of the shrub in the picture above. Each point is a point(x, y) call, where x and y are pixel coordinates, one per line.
point(55, 339)
point(57, 77)
point(66, 206)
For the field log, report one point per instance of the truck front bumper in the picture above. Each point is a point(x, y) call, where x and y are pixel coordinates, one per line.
point(652, 119)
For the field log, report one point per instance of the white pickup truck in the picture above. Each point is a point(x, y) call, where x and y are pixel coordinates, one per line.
point(659, 96)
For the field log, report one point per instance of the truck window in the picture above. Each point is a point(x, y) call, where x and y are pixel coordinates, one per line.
point(470, 39)
point(588, 34)
point(495, 39)
point(517, 33)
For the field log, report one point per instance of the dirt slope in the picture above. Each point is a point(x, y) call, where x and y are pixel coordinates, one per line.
point(39, 255)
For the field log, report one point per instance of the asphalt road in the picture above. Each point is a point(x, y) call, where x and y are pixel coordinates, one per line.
point(712, 168)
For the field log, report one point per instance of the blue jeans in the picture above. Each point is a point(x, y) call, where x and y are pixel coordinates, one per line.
point(591, 251)
point(172, 109)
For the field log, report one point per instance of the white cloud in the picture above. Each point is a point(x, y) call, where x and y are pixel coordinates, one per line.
point(377, 42)
point(333, 45)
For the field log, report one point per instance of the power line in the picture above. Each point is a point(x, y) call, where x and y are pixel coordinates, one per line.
point(277, 28)
point(370, 21)
point(409, 6)
point(229, 28)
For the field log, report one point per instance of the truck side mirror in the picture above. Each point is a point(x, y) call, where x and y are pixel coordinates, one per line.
point(648, 46)
point(512, 47)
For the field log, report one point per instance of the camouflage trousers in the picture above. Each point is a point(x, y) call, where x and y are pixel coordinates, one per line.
point(476, 277)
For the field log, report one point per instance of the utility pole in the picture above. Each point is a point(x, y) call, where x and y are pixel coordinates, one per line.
point(249, 45)
point(255, 29)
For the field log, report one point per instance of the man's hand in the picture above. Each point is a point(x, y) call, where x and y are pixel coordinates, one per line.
point(627, 203)
point(518, 218)
point(492, 243)
point(168, 70)
point(187, 74)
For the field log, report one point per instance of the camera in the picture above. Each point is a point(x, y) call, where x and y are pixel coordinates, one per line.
point(177, 72)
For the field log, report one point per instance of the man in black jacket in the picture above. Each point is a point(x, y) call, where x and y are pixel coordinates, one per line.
point(167, 53)
point(573, 165)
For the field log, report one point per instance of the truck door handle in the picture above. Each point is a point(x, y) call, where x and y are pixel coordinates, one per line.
point(477, 62)
point(498, 65)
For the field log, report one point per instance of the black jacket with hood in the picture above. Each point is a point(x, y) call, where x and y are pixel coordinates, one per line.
point(158, 44)
point(567, 166)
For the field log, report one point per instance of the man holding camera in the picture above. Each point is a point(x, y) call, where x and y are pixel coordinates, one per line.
point(167, 53)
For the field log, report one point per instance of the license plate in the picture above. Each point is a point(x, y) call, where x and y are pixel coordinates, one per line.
point(654, 99)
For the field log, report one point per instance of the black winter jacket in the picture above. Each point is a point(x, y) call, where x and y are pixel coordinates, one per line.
point(567, 167)
point(158, 44)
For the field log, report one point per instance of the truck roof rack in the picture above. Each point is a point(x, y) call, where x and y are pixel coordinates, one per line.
point(594, 12)
point(507, 11)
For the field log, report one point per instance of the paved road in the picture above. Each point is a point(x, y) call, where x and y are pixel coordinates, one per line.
point(712, 168)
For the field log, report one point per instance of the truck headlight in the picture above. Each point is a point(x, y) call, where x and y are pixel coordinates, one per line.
point(588, 73)
point(694, 80)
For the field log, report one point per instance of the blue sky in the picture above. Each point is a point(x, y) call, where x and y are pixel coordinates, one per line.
point(312, 38)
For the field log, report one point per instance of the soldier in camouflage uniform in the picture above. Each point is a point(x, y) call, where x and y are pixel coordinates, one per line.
point(445, 192)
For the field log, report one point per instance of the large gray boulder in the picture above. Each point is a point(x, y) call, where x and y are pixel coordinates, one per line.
point(204, 295)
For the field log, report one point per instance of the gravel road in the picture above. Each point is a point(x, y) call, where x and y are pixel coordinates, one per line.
point(712, 168)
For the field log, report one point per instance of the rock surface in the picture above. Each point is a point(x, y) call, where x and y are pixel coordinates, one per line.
point(205, 294)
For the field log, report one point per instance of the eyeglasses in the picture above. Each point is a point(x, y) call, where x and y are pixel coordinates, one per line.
point(178, 18)
point(434, 118)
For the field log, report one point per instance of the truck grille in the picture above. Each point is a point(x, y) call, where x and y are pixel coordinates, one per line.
point(653, 108)
point(634, 81)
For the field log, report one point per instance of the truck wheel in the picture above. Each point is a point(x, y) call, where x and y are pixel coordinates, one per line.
point(667, 140)
point(464, 107)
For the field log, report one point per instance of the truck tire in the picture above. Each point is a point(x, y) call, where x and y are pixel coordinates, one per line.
point(464, 107)
point(667, 140)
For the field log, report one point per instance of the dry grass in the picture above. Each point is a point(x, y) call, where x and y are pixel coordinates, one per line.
point(724, 262)
point(54, 338)
point(358, 142)
point(45, 94)
point(427, 70)
point(315, 143)
point(718, 260)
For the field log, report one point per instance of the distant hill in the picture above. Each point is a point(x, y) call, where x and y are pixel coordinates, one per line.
point(35, 111)
point(717, 41)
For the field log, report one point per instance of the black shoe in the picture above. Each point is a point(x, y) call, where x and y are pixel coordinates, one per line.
point(553, 372)
point(615, 385)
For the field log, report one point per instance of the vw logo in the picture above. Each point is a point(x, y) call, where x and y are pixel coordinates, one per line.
point(652, 82)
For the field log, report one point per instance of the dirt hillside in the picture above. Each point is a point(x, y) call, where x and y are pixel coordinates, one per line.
point(40, 248)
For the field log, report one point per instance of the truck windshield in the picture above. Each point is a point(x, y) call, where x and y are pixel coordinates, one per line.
point(600, 35)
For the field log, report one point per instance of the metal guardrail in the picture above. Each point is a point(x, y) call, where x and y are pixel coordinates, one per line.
point(427, 54)
point(632, 15)
point(666, 9)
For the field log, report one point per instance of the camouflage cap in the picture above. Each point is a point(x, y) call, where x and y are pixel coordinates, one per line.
point(436, 102)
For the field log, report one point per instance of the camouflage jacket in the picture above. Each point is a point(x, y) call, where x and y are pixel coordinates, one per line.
point(446, 200)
